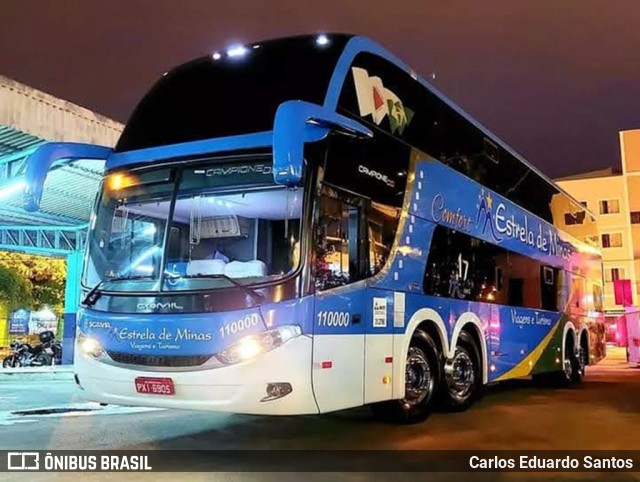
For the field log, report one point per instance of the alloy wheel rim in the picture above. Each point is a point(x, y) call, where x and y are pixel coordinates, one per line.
point(419, 381)
point(582, 362)
point(567, 367)
point(461, 375)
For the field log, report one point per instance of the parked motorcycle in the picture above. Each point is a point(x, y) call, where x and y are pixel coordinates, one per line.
point(54, 349)
point(25, 355)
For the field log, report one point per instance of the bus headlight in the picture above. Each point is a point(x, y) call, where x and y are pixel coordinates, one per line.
point(89, 346)
point(252, 345)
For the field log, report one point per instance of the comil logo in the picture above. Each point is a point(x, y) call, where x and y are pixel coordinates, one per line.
point(23, 461)
point(159, 306)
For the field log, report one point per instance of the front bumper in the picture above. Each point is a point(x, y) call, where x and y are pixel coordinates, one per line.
point(234, 389)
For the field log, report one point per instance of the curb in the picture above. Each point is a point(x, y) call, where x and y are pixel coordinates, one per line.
point(36, 374)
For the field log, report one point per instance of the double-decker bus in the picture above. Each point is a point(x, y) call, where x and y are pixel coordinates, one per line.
point(304, 225)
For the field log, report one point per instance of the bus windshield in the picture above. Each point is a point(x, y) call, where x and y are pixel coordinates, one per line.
point(199, 227)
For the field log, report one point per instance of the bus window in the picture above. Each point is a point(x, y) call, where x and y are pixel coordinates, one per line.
point(597, 297)
point(578, 292)
point(382, 223)
point(463, 267)
point(460, 266)
point(336, 246)
point(549, 288)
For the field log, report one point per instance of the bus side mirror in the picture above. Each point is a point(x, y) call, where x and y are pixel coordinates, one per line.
point(39, 163)
point(298, 122)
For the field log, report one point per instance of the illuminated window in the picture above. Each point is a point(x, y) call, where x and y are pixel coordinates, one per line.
point(612, 240)
point(337, 247)
point(614, 274)
point(609, 206)
point(382, 225)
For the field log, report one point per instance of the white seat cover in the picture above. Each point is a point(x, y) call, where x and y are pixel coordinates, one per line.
point(245, 269)
point(205, 266)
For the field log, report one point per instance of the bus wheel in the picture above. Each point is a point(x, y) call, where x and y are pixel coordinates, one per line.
point(462, 376)
point(583, 356)
point(422, 379)
point(572, 369)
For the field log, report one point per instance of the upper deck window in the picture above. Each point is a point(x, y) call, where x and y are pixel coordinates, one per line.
point(233, 92)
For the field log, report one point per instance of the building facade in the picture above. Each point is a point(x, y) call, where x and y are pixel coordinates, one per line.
point(613, 196)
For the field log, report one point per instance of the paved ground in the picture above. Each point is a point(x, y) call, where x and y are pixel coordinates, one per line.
point(602, 414)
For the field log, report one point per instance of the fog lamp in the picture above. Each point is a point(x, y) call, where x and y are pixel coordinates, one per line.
point(277, 390)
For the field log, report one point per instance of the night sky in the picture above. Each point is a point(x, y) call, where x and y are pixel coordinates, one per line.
point(555, 79)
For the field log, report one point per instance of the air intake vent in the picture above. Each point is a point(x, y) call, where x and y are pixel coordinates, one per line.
point(220, 227)
point(158, 360)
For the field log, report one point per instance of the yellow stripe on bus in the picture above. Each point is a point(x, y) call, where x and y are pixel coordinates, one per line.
point(524, 368)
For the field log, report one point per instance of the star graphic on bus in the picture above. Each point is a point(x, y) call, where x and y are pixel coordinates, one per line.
point(484, 218)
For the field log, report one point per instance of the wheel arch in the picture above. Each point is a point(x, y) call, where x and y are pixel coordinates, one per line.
point(428, 320)
point(584, 335)
point(569, 330)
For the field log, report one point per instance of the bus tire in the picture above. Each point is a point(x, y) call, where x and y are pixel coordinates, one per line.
point(583, 356)
point(423, 372)
point(570, 375)
point(462, 376)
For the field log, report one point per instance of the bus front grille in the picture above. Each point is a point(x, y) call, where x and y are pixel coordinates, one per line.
point(158, 360)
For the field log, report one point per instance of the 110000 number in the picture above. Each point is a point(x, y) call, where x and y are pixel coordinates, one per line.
point(333, 318)
point(239, 325)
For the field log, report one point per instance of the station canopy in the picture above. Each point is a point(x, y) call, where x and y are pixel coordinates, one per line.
point(29, 118)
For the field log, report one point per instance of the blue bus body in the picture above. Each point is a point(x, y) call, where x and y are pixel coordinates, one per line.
point(486, 279)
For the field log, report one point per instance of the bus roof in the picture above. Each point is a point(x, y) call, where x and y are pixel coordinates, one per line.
point(237, 91)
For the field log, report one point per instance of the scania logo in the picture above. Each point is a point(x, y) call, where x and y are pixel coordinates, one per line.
point(159, 306)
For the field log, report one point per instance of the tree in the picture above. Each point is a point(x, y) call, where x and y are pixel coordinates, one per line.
point(15, 290)
point(42, 280)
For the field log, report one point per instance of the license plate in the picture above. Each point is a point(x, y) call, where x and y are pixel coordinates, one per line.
point(155, 386)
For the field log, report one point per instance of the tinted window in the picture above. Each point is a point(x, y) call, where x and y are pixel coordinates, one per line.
point(382, 224)
point(428, 123)
point(209, 98)
point(462, 267)
point(375, 168)
point(337, 250)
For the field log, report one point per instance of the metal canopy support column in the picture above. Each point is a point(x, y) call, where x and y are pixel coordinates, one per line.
point(71, 301)
point(65, 241)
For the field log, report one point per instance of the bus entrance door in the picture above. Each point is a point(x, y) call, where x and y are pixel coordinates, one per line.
point(338, 340)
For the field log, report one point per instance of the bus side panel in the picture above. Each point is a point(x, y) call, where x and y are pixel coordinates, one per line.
point(551, 358)
point(338, 348)
point(383, 308)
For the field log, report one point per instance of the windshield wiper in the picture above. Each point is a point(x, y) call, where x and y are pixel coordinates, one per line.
point(255, 295)
point(94, 293)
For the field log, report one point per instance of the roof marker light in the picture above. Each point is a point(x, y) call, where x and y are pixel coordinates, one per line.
point(237, 51)
point(216, 56)
point(322, 39)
